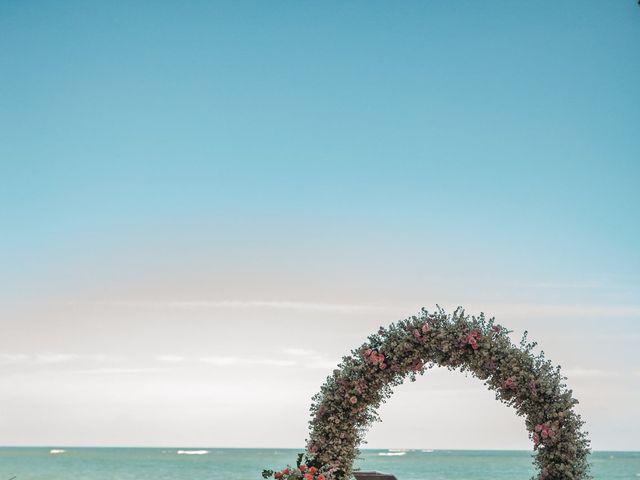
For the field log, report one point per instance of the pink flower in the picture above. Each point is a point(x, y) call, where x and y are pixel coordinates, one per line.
point(278, 475)
point(308, 476)
point(321, 477)
point(508, 383)
point(419, 365)
point(542, 432)
point(313, 470)
point(421, 333)
point(374, 358)
point(472, 339)
point(353, 399)
point(286, 471)
point(302, 467)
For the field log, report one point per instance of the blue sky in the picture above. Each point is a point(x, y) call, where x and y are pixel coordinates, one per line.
point(340, 157)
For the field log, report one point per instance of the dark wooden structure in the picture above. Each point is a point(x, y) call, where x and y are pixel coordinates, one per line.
point(373, 476)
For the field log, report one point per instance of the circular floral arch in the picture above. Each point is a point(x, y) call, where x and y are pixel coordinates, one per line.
point(347, 403)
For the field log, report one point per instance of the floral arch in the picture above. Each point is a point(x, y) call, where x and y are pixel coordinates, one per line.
point(347, 403)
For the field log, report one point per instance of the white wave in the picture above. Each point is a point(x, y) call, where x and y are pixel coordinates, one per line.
point(54, 451)
point(398, 450)
point(193, 452)
point(392, 454)
point(427, 451)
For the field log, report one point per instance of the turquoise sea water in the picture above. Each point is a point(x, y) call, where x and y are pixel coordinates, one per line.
point(246, 464)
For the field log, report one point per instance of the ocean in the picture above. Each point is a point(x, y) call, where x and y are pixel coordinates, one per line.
point(68, 463)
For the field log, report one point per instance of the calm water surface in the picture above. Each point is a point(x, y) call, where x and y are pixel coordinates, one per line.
point(246, 464)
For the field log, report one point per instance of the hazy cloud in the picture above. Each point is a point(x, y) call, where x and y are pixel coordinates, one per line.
point(221, 361)
point(299, 352)
point(322, 363)
point(229, 361)
point(311, 358)
point(116, 371)
point(13, 358)
point(514, 310)
point(170, 358)
point(589, 372)
point(518, 310)
point(49, 358)
point(55, 357)
point(588, 284)
point(247, 304)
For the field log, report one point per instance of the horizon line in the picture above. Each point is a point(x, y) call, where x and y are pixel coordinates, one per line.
point(397, 449)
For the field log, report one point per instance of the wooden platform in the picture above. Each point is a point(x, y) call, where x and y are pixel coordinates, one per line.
point(373, 476)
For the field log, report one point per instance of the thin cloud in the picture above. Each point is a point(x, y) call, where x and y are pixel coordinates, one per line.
point(308, 359)
point(221, 361)
point(275, 363)
point(520, 310)
point(124, 370)
point(231, 361)
point(589, 373)
point(311, 358)
point(514, 310)
point(299, 352)
point(49, 358)
point(55, 358)
point(248, 304)
point(321, 363)
point(568, 285)
point(8, 358)
point(170, 358)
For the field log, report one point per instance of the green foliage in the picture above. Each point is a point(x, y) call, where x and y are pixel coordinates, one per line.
point(347, 403)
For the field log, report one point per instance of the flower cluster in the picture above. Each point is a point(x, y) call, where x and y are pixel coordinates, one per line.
point(347, 403)
point(301, 473)
point(542, 433)
point(374, 358)
point(472, 339)
point(421, 333)
point(508, 383)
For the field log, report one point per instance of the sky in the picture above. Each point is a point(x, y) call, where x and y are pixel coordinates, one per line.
point(205, 205)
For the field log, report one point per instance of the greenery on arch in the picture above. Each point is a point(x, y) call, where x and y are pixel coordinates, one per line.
point(347, 403)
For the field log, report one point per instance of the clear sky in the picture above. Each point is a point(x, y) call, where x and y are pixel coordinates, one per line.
point(204, 205)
